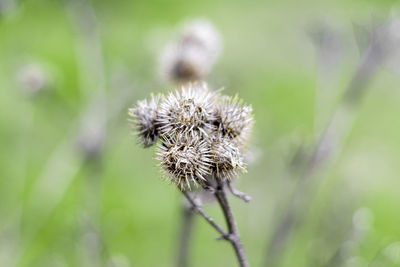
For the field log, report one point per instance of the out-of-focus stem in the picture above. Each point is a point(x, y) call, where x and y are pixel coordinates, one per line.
point(185, 236)
point(330, 141)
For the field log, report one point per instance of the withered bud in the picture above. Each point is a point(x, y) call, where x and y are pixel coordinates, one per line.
point(193, 55)
point(186, 160)
point(143, 117)
point(234, 120)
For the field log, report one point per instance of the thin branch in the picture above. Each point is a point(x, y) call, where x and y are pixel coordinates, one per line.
point(199, 210)
point(237, 193)
point(330, 141)
point(234, 237)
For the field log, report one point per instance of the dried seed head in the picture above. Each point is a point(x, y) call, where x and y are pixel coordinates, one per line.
point(144, 116)
point(233, 120)
point(180, 63)
point(193, 55)
point(202, 134)
point(226, 159)
point(202, 33)
point(185, 160)
point(187, 111)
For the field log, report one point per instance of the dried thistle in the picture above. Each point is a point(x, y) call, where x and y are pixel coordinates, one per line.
point(186, 160)
point(227, 159)
point(193, 55)
point(187, 111)
point(144, 116)
point(202, 134)
point(234, 120)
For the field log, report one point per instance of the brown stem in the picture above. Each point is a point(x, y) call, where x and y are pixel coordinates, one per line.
point(237, 193)
point(233, 236)
point(199, 210)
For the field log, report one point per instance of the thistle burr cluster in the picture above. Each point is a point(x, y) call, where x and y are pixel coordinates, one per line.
point(201, 132)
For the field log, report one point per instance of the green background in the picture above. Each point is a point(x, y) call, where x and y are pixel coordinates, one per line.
point(58, 209)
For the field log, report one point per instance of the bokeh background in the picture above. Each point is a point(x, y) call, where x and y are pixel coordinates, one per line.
point(77, 190)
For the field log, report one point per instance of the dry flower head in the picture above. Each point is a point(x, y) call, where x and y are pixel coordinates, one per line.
point(202, 134)
point(192, 56)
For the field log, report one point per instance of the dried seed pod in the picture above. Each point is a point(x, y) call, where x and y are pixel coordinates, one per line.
point(186, 160)
point(226, 157)
point(188, 111)
point(194, 54)
point(233, 120)
point(144, 118)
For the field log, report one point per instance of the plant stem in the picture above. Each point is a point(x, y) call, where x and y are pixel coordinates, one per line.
point(233, 236)
point(199, 210)
point(330, 141)
point(185, 235)
point(237, 193)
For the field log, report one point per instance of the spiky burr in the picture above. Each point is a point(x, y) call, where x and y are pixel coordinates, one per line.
point(143, 117)
point(202, 134)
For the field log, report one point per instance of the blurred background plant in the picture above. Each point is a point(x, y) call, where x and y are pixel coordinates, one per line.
point(76, 191)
